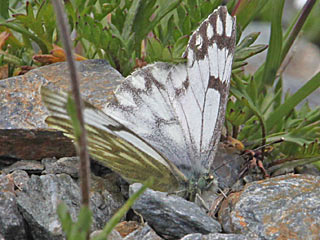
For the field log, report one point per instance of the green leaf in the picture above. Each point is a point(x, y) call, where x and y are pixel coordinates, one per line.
point(122, 211)
point(248, 40)
point(9, 58)
point(25, 32)
point(293, 101)
point(4, 9)
point(78, 230)
point(275, 45)
point(46, 17)
point(65, 217)
point(154, 49)
point(130, 18)
point(148, 16)
point(247, 52)
point(247, 10)
point(180, 46)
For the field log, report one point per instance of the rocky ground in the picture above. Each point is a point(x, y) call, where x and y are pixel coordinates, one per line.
point(38, 171)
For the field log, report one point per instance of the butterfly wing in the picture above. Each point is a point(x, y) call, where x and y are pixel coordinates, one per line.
point(113, 145)
point(179, 109)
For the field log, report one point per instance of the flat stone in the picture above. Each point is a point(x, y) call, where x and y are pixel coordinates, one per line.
point(12, 225)
point(6, 183)
point(218, 236)
point(39, 200)
point(29, 166)
point(285, 207)
point(144, 232)
point(11, 222)
point(20, 179)
point(34, 144)
point(114, 235)
point(68, 165)
point(21, 106)
point(127, 227)
point(171, 215)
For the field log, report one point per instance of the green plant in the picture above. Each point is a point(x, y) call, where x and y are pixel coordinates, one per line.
point(259, 111)
point(27, 23)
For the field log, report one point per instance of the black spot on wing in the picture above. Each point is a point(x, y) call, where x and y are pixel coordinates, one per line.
point(222, 41)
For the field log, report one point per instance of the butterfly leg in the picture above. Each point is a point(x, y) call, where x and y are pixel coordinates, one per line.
point(201, 203)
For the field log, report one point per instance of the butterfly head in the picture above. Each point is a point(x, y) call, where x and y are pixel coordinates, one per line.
point(198, 185)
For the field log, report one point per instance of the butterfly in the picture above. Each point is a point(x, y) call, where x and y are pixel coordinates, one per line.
point(165, 120)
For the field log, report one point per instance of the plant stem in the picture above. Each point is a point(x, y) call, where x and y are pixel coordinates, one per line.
point(82, 141)
point(305, 12)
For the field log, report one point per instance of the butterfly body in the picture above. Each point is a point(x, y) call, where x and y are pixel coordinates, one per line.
point(166, 119)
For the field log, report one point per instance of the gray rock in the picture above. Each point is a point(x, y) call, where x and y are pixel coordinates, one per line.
point(68, 165)
point(308, 169)
point(38, 204)
point(6, 183)
point(11, 222)
point(20, 179)
point(227, 166)
point(26, 165)
point(143, 233)
point(12, 225)
point(21, 105)
point(171, 215)
point(216, 236)
point(286, 207)
point(114, 235)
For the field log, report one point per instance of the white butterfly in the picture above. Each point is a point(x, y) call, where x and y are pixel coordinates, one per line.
point(166, 120)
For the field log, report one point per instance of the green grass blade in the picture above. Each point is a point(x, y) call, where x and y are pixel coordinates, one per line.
point(273, 60)
point(293, 101)
point(247, 10)
point(4, 9)
point(129, 21)
point(122, 211)
point(42, 45)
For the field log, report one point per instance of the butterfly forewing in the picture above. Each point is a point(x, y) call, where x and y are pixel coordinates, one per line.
point(179, 109)
point(112, 144)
